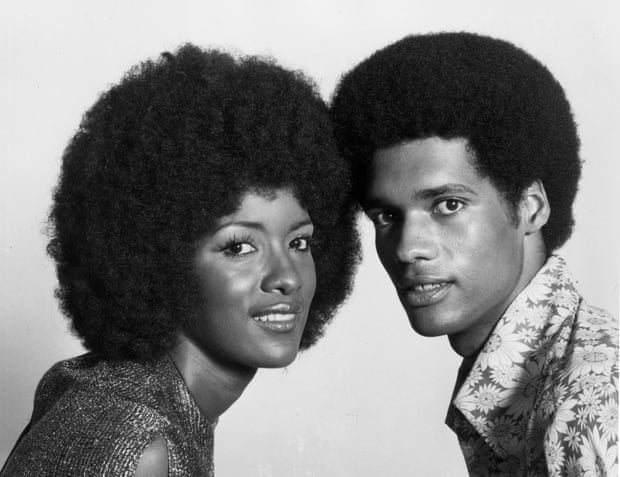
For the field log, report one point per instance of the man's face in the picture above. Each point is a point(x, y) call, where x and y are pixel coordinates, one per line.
point(445, 237)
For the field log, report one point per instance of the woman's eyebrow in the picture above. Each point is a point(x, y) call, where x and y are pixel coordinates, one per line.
point(242, 223)
point(260, 226)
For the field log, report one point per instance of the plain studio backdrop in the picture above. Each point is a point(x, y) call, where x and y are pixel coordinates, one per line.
point(370, 398)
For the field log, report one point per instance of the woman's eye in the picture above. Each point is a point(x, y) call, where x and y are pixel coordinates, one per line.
point(448, 206)
point(301, 243)
point(238, 249)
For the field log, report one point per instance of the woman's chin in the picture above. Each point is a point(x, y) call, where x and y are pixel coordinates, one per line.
point(278, 358)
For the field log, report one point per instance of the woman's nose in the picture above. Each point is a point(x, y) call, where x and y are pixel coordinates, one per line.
point(282, 275)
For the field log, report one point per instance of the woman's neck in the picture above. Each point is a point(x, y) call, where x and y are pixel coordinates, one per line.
point(214, 386)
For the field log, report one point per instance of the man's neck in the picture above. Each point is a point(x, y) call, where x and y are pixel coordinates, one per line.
point(469, 343)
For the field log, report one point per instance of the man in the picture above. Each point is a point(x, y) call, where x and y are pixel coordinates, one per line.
point(465, 157)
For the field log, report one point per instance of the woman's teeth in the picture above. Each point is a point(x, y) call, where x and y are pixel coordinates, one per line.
point(275, 317)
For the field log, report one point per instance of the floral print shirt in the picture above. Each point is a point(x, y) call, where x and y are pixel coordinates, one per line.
point(541, 398)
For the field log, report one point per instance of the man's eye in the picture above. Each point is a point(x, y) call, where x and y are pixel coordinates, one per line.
point(382, 219)
point(301, 243)
point(238, 249)
point(448, 206)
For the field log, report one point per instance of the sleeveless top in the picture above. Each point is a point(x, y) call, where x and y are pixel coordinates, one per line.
point(94, 417)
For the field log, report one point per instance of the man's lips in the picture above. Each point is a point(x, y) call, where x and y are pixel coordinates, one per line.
point(423, 291)
point(418, 281)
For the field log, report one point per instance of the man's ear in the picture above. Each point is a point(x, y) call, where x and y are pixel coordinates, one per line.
point(535, 207)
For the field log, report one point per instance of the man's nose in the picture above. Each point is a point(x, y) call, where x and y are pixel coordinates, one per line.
point(416, 241)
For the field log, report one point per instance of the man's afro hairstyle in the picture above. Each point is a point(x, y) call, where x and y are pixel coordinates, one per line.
point(508, 106)
point(159, 157)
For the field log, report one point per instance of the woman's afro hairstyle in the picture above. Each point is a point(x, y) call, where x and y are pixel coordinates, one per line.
point(508, 106)
point(161, 156)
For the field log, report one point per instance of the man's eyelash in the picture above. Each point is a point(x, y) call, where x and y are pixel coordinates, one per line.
point(307, 237)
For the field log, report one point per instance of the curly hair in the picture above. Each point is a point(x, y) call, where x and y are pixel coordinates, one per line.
point(508, 106)
point(157, 160)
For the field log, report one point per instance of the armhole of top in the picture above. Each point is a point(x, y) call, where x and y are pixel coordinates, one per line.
point(154, 459)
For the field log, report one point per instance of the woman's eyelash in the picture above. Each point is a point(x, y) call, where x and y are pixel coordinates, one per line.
point(236, 241)
point(237, 246)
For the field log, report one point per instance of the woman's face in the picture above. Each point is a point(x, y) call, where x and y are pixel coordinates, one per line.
point(257, 280)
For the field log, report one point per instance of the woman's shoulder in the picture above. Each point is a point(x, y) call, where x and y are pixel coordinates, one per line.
point(116, 399)
point(91, 412)
point(112, 414)
point(94, 385)
point(90, 377)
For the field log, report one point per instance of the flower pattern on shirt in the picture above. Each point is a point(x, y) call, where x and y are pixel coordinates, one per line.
point(541, 398)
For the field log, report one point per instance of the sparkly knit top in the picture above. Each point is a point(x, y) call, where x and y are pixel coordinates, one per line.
point(94, 417)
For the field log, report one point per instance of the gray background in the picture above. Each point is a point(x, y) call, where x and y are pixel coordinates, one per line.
point(370, 398)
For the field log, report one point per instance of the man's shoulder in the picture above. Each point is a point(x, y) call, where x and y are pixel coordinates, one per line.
point(590, 359)
point(596, 320)
point(583, 421)
point(595, 334)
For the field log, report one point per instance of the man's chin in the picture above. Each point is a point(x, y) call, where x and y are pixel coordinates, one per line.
point(427, 328)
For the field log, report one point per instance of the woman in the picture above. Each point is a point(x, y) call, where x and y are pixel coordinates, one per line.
point(200, 207)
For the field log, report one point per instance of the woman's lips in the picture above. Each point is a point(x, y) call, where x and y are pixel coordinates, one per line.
point(278, 322)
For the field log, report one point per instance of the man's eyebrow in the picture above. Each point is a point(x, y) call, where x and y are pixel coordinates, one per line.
point(374, 203)
point(379, 202)
point(301, 223)
point(443, 189)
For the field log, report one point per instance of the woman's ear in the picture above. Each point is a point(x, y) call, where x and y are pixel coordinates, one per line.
point(535, 207)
